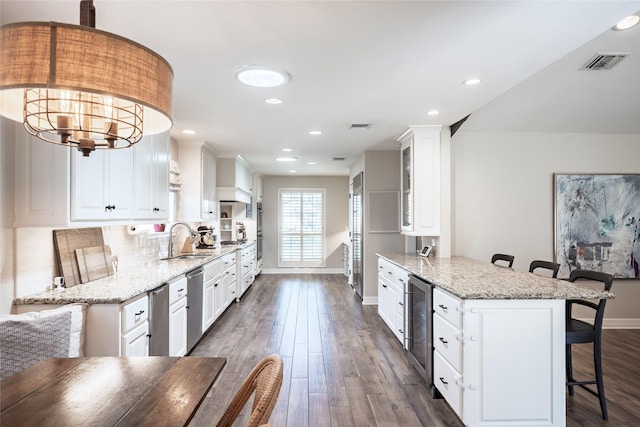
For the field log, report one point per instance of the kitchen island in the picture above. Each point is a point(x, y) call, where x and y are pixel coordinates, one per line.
point(498, 339)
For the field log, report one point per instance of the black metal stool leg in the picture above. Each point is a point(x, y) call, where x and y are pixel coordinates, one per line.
point(597, 360)
point(569, 368)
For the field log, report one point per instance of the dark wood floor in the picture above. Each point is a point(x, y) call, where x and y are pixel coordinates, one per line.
point(343, 367)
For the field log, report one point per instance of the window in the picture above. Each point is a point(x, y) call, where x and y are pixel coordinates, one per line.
point(301, 231)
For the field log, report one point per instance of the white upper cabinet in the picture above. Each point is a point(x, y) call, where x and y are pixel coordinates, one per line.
point(420, 160)
point(101, 185)
point(257, 187)
point(151, 178)
point(234, 180)
point(198, 171)
point(42, 181)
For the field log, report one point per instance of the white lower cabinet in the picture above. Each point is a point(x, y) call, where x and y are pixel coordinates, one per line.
point(135, 328)
point(500, 362)
point(211, 282)
point(229, 278)
point(246, 269)
point(178, 317)
point(392, 283)
point(136, 342)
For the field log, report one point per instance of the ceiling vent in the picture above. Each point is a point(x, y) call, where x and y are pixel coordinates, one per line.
point(338, 159)
point(360, 125)
point(604, 61)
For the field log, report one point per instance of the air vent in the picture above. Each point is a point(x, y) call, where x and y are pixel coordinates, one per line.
point(604, 61)
point(338, 159)
point(360, 126)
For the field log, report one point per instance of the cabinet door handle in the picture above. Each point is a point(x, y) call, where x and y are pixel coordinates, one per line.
point(443, 341)
point(139, 313)
point(443, 381)
point(384, 286)
point(443, 307)
point(401, 303)
point(401, 331)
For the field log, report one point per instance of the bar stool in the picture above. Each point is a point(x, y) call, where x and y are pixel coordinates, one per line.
point(579, 332)
point(546, 265)
point(502, 257)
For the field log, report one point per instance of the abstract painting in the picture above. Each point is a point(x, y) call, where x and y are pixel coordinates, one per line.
point(597, 224)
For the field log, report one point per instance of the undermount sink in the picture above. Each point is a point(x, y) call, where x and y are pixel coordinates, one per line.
point(185, 256)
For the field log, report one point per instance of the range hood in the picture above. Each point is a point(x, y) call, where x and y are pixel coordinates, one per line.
point(233, 179)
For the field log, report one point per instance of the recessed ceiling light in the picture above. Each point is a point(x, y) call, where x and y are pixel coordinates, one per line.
point(433, 112)
point(292, 171)
point(286, 159)
point(471, 82)
point(311, 163)
point(262, 76)
point(273, 101)
point(315, 132)
point(189, 132)
point(287, 150)
point(626, 23)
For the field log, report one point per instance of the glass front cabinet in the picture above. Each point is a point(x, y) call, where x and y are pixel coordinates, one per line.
point(420, 160)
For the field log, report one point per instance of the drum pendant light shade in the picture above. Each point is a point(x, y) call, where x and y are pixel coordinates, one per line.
point(75, 85)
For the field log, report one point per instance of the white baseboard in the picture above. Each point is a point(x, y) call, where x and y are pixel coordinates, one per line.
point(619, 323)
point(305, 270)
point(370, 301)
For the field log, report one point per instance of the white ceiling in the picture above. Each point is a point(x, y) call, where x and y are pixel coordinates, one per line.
point(380, 62)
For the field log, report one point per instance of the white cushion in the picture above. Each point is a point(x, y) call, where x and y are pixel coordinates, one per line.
point(78, 316)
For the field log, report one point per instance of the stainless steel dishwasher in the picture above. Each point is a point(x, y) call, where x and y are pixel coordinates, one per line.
point(159, 321)
point(194, 307)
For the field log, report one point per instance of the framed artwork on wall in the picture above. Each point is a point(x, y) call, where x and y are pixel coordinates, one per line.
point(597, 223)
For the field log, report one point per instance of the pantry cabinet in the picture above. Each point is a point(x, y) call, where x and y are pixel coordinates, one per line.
point(198, 171)
point(420, 181)
point(151, 178)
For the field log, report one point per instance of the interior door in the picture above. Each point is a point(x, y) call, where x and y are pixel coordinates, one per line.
point(356, 233)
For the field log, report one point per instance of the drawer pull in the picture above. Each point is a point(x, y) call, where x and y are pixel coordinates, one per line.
point(389, 272)
point(443, 381)
point(443, 307)
point(401, 331)
point(384, 286)
point(443, 341)
point(180, 290)
point(139, 313)
point(401, 303)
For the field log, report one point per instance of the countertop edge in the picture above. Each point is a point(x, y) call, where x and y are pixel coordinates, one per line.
point(465, 284)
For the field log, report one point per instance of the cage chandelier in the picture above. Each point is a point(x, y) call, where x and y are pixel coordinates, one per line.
point(77, 86)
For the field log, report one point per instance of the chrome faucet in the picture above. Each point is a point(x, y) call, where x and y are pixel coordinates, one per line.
point(192, 236)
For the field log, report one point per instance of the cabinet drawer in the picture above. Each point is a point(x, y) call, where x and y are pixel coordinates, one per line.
point(447, 340)
point(177, 290)
point(212, 269)
point(392, 272)
point(228, 260)
point(447, 380)
point(135, 313)
point(448, 306)
point(229, 275)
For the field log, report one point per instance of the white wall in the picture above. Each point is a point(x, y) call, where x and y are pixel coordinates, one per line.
point(7, 173)
point(337, 220)
point(503, 194)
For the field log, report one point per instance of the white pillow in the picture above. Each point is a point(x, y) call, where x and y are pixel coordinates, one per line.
point(78, 316)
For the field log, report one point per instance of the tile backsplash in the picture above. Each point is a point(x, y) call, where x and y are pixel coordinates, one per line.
point(36, 262)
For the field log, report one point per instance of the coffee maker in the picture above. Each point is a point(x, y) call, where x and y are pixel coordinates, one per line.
point(241, 232)
point(207, 237)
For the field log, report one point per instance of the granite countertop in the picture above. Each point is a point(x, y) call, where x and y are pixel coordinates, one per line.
point(127, 282)
point(472, 279)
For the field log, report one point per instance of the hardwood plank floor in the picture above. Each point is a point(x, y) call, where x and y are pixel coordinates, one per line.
point(344, 367)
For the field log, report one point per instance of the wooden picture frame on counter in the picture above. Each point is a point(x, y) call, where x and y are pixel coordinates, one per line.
point(597, 223)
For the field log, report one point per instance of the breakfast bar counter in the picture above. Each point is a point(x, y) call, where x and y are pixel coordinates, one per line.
point(471, 279)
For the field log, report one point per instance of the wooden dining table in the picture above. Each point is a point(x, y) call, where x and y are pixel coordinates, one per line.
point(108, 391)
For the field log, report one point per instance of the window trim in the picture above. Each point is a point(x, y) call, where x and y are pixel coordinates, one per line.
point(303, 264)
